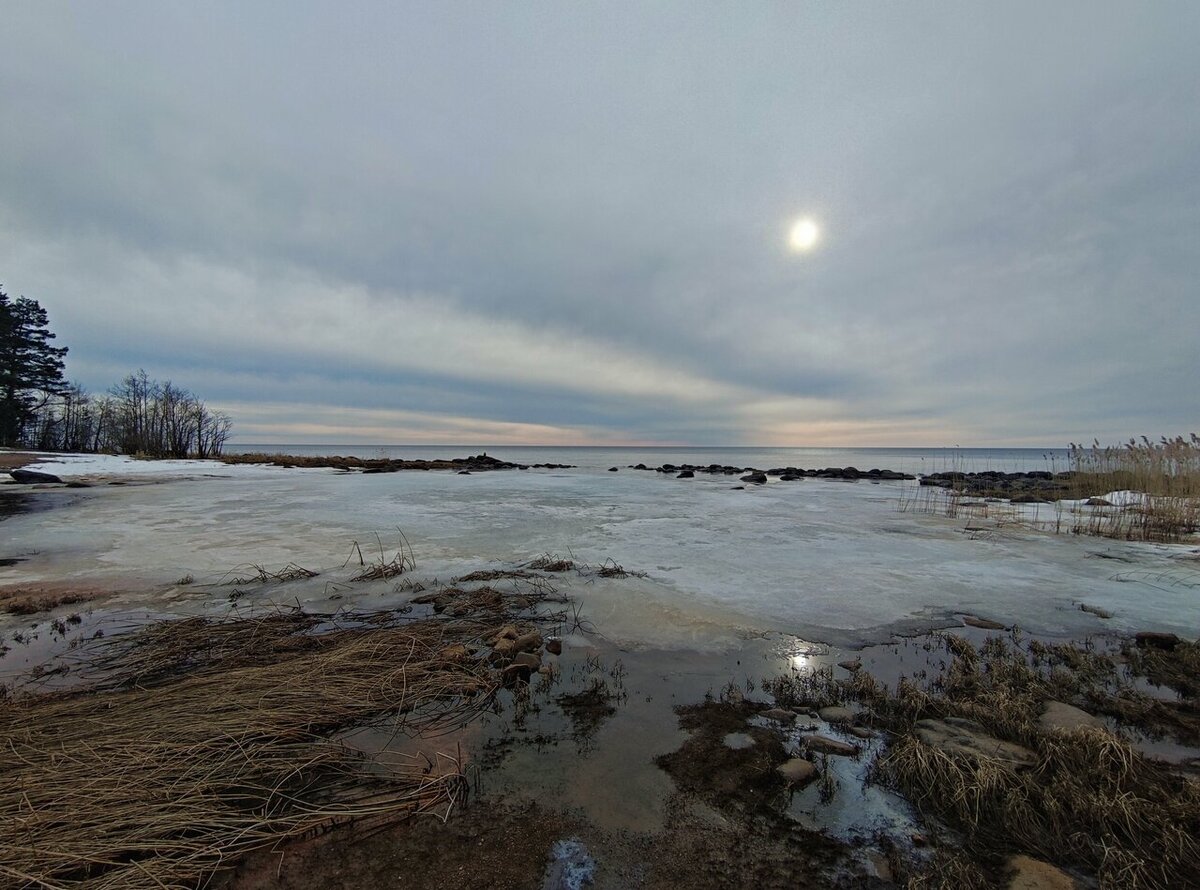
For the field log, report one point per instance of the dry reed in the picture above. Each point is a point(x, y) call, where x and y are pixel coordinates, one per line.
point(199, 741)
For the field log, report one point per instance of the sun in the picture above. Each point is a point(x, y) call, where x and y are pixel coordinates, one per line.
point(803, 235)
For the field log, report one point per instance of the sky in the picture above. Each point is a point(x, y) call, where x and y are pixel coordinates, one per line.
point(567, 223)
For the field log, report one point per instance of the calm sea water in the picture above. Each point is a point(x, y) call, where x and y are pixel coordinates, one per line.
point(907, 460)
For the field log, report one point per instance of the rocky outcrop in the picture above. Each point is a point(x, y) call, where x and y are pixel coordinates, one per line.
point(33, 477)
point(959, 737)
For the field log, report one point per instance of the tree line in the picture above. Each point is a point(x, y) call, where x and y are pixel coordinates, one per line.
point(39, 409)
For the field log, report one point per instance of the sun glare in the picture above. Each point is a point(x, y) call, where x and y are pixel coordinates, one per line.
point(803, 235)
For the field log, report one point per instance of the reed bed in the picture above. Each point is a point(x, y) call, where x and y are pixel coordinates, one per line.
point(1164, 475)
point(197, 741)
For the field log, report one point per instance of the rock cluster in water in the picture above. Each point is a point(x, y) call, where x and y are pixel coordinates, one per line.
point(1031, 487)
point(785, 474)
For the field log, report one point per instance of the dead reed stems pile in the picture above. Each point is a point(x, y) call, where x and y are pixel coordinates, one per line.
point(202, 740)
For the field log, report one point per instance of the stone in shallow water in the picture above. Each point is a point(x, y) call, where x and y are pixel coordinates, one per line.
point(738, 741)
point(982, 623)
point(1062, 717)
point(781, 714)
point(825, 745)
point(797, 771)
point(957, 736)
point(836, 714)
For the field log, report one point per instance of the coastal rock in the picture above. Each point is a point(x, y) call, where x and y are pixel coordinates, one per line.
point(1034, 874)
point(860, 732)
point(554, 647)
point(1095, 610)
point(515, 673)
point(458, 653)
point(531, 660)
point(853, 665)
point(1062, 717)
point(797, 771)
point(503, 649)
point(508, 632)
point(965, 738)
point(1152, 640)
point(836, 714)
point(756, 478)
point(614, 469)
point(823, 744)
point(982, 623)
point(1098, 502)
point(528, 642)
point(686, 474)
point(32, 477)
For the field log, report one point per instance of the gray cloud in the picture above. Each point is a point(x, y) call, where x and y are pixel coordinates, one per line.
point(574, 217)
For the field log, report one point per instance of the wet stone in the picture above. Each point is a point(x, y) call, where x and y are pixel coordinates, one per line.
point(1033, 874)
point(823, 744)
point(1061, 717)
point(836, 714)
point(960, 737)
point(797, 771)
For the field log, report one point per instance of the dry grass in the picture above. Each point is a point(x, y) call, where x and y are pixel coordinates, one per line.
point(1090, 801)
point(260, 575)
point(198, 741)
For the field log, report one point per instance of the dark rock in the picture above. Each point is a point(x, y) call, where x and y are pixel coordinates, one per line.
point(464, 472)
point(614, 469)
point(825, 745)
point(983, 623)
point(756, 478)
point(554, 647)
point(33, 477)
point(797, 771)
point(686, 474)
point(1152, 640)
point(1098, 502)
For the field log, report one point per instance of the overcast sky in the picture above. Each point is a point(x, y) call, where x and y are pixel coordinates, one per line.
point(567, 223)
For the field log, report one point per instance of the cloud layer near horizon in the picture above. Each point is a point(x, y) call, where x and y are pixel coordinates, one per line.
point(567, 224)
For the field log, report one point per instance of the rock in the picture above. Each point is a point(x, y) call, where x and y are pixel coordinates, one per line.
point(853, 665)
point(464, 472)
point(860, 732)
point(1062, 717)
point(919, 840)
point(504, 649)
point(983, 623)
point(457, 652)
point(797, 771)
point(528, 642)
point(686, 474)
point(1153, 640)
point(614, 469)
point(756, 478)
point(966, 738)
point(554, 647)
point(825, 745)
point(515, 673)
point(75, 483)
point(1098, 502)
point(781, 714)
point(738, 488)
point(836, 714)
point(1095, 610)
point(531, 660)
point(1033, 874)
point(508, 632)
point(32, 477)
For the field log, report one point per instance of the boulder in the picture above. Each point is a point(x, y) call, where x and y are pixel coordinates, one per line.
point(1153, 640)
point(1098, 502)
point(836, 714)
point(504, 649)
point(554, 647)
point(1033, 874)
point(685, 474)
point(528, 642)
point(32, 477)
point(756, 478)
point(823, 744)
point(1062, 717)
point(965, 738)
point(797, 771)
point(1095, 610)
point(614, 469)
point(531, 660)
point(853, 665)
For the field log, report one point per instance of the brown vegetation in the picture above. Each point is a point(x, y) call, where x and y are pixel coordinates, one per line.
point(196, 741)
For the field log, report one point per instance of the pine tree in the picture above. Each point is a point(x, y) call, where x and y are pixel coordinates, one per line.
point(31, 369)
